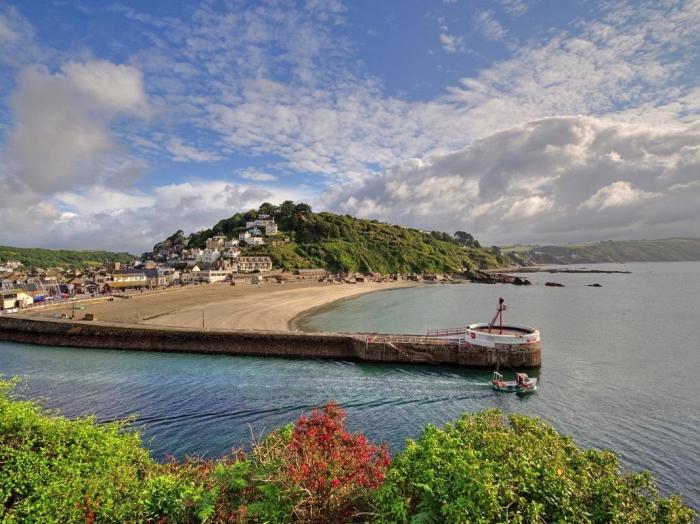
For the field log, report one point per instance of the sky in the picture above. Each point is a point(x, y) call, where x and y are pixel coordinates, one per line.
point(520, 121)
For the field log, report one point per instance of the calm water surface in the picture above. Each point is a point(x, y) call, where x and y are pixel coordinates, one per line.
point(620, 370)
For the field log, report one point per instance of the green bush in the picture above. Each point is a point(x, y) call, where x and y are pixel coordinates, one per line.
point(56, 470)
point(482, 469)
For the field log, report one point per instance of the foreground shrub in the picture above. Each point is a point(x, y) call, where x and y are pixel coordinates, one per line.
point(478, 470)
point(313, 471)
point(329, 472)
point(482, 469)
point(56, 470)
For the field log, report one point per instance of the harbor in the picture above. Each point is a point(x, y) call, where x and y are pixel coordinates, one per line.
point(261, 320)
point(486, 351)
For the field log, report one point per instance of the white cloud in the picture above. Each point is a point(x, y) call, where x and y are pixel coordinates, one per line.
point(256, 176)
point(451, 43)
point(17, 44)
point(528, 183)
point(529, 207)
point(620, 193)
point(117, 87)
point(7, 34)
point(101, 199)
point(486, 23)
point(514, 7)
point(185, 153)
point(61, 131)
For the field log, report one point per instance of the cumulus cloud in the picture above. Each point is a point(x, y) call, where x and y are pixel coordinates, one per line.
point(61, 163)
point(61, 131)
point(619, 193)
point(548, 180)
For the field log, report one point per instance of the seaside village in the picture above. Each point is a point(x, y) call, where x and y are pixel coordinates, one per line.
point(222, 260)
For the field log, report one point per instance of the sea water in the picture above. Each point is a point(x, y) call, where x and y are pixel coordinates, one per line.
point(620, 370)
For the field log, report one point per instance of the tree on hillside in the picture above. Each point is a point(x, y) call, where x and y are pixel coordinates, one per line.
point(267, 209)
point(302, 209)
point(466, 239)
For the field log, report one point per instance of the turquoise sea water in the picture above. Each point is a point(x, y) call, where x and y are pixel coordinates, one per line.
point(621, 365)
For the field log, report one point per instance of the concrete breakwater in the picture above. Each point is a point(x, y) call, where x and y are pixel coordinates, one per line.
point(288, 344)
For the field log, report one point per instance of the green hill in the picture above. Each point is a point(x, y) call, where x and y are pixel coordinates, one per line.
point(65, 258)
point(663, 250)
point(342, 243)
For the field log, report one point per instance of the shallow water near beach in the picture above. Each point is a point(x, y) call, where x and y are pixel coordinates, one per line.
point(620, 368)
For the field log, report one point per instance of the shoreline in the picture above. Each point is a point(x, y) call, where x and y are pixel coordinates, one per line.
point(296, 323)
point(261, 307)
point(252, 320)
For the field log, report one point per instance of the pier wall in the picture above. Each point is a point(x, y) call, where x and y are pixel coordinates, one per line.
point(287, 344)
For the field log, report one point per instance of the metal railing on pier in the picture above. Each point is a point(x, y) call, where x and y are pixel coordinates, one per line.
point(406, 339)
point(447, 332)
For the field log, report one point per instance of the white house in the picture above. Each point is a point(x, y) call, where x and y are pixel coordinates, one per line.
point(213, 275)
point(243, 237)
point(12, 298)
point(210, 256)
point(256, 241)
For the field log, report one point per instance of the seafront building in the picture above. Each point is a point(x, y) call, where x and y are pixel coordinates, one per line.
point(248, 264)
point(128, 279)
point(13, 299)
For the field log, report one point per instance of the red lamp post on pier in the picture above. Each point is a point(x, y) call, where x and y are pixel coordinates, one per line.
point(502, 306)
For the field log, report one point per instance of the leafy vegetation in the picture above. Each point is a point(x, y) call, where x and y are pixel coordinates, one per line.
point(664, 250)
point(477, 470)
point(482, 469)
point(65, 258)
point(341, 243)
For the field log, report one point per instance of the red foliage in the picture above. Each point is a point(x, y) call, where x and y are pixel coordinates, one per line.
point(336, 468)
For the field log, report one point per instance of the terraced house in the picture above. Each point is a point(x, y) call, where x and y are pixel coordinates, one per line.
point(250, 264)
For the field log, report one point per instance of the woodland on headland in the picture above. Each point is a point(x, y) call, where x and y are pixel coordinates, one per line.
point(345, 244)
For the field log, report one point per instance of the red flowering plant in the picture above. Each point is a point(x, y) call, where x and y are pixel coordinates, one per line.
point(331, 471)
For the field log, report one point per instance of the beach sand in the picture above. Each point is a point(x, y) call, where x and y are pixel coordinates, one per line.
point(266, 306)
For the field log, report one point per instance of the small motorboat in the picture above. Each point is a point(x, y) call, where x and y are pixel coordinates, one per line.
point(521, 384)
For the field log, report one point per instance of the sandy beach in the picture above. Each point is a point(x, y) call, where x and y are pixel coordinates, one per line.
point(221, 306)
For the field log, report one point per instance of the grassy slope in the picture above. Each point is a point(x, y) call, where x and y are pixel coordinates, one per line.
point(344, 243)
point(67, 259)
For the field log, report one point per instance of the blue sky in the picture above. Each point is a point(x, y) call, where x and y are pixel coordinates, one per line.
point(518, 120)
